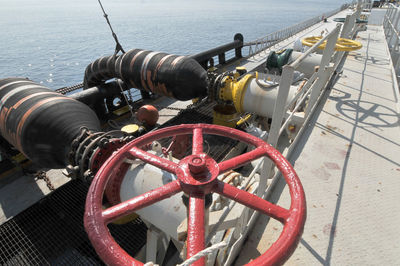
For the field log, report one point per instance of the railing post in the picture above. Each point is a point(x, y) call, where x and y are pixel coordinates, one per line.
point(387, 28)
point(221, 58)
point(394, 28)
point(352, 25)
point(277, 118)
point(386, 20)
point(394, 49)
point(326, 57)
point(391, 16)
point(394, 12)
point(396, 65)
point(346, 25)
point(359, 8)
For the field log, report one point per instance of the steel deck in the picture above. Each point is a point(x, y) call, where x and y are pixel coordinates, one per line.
point(348, 161)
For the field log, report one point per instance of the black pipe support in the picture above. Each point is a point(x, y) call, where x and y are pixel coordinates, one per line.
point(204, 57)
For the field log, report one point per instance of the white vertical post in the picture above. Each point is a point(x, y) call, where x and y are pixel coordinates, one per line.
point(394, 50)
point(387, 19)
point(393, 27)
point(346, 27)
point(326, 57)
point(353, 25)
point(391, 17)
point(277, 117)
point(397, 65)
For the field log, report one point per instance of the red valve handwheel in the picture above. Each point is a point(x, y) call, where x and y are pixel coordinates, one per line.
point(196, 176)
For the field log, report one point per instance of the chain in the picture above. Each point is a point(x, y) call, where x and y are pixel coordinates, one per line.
point(42, 175)
point(66, 90)
point(169, 108)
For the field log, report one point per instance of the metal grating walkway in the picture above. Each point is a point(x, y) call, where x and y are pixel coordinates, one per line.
point(215, 146)
point(51, 232)
point(349, 163)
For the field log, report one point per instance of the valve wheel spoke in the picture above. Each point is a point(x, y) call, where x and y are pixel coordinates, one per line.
point(196, 229)
point(152, 159)
point(252, 201)
point(197, 146)
point(197, 176)
point(127, 207)
point(241, 160)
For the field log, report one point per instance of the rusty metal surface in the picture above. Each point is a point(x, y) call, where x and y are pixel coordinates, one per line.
point(197, 176)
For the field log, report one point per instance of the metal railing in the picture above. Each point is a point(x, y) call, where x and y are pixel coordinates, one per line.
point(206, 58)
point(314, 86)
point(232, 51)
point(391, 27)
point(313, 91)
point(271, 39)
point(368, 5)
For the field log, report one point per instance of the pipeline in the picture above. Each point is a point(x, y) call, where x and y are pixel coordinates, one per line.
point(41, 123)
point(179, 77)
point(276, 60)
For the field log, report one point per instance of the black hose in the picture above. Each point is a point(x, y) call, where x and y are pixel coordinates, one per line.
point(40, 122)
point(179, 77)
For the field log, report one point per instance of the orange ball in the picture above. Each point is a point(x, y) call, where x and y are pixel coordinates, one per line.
point(147, 114)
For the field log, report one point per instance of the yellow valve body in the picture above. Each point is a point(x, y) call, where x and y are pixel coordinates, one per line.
point(234, 90)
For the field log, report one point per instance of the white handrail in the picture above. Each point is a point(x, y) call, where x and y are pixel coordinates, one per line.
point(391, 30)
point(295, 109)
point(301, 91)
point(298, 61)
point(315, 85)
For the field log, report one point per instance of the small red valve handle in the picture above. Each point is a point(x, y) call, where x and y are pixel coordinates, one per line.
point(196, 176)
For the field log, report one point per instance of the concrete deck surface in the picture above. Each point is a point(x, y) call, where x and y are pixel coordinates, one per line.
point(349, 163)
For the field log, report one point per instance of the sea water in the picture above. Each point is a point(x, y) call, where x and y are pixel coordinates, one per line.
point(52, 41)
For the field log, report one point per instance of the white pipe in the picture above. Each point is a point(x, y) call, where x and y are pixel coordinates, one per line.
point(308, 64)
point(145, 177)
point(261, 100)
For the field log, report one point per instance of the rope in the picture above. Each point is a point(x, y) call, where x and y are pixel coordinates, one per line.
point(203, 253)
point(150, 264)
point(118, 46)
